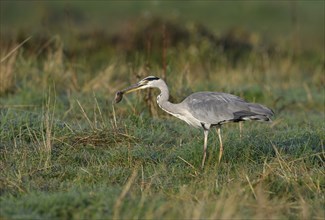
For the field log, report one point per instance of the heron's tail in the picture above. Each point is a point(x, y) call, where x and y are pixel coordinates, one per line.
point(256, 112)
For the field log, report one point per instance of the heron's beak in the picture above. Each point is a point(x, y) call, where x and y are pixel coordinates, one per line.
point(119, 94)
point(133, 88)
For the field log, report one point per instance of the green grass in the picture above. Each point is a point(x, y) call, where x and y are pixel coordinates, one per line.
point(67, 152)
point(137, 170)
point(69, 155)
point(144, 167)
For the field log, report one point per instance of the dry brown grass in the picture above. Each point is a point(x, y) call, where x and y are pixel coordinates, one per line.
point(7, 67)
point(7, 74)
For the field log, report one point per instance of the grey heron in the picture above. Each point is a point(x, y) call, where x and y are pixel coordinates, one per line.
point(203, 109)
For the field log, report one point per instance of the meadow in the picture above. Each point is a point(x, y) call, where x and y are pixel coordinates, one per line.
point(68, 151)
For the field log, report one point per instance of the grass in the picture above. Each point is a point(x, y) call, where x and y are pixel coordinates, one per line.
point(74, 157)
point(67, 152)
point(150, 169)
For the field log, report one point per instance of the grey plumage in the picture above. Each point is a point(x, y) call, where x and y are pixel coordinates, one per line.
point(218, 108)
point(204, 109)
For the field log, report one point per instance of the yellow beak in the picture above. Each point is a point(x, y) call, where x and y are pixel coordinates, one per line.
point(132, 88)
point(119, 94)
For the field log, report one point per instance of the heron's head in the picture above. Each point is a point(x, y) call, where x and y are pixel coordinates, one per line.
point(148, 82)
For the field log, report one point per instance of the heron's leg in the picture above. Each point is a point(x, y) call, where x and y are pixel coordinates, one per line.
point(220, 140)
point(206, 132)
point(240, 129)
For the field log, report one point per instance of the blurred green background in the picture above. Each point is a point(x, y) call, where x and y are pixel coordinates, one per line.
point(273, 19)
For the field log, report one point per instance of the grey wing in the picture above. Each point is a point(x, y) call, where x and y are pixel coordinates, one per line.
point(217, 108)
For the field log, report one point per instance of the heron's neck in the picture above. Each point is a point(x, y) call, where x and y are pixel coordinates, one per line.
point(163, 102)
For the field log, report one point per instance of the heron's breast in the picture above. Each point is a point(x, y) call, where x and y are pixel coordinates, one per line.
point(188, 118)
point(183, 115)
